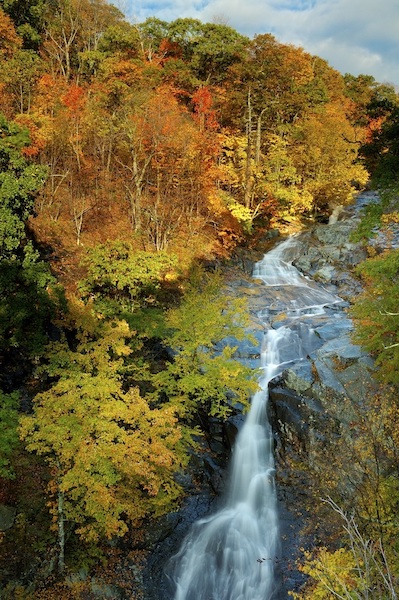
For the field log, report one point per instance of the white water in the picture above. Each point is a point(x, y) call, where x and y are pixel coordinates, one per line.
point(231, 555)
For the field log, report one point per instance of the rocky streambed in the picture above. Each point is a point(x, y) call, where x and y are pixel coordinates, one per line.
point(334, 368)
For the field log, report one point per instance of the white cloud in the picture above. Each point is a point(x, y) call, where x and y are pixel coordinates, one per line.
point(354, 36)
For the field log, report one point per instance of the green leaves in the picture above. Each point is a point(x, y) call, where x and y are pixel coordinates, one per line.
point(113, 458)
point(8, 432)
point(122, 278)
point(19, 181)
point(199, 375)
point(25, 303)
point(376, 313)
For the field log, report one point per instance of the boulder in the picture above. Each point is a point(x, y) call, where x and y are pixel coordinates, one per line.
point(299, 377)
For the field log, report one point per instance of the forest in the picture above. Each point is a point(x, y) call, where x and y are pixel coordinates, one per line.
point(137, 160)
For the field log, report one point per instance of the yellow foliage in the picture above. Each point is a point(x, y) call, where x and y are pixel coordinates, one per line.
point(333, 574)
point(392, 217)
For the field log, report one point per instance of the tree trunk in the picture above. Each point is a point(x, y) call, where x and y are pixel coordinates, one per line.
point(61, 532)
point(248, 184)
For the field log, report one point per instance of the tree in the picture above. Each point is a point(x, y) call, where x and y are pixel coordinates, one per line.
point(28, 18)
point(74, 26)
point(326, 160)
point(282, 182)
point(301, 148)
point(9, 439)
point(374, 113)
point(203, 373)
point(359, 570)
point(276, 77)
point(165, 164)
point(10, 40)
point(121, 279)
point(381, 150)
point(376, 313)
point(207, 48)
point(19, 75)
point(25, 281)
point(19, 181)
point(112, 457)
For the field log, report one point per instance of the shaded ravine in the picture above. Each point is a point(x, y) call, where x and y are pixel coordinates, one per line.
point(231, 555)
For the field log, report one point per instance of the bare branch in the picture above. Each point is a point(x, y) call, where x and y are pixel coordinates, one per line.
point(368, 556)
point(391, 346)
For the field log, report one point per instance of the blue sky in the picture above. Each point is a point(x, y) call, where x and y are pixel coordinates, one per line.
point(354, 36)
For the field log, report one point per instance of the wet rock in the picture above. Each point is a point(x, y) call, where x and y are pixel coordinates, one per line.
point(327, 377)
point(295, 417)
point(299, 377)
point(357, 381)
point(335, 234)
point(342, 347)
point(231, 428)
point(247, 348)
point(334, 328)
point(215, 475)
point(328, 254)
point(289, 409)
point(325, 274)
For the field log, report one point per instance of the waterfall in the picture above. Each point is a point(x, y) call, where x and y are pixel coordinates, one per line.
point(231, 554)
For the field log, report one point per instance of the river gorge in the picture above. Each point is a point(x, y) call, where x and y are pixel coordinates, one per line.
point(242, 544)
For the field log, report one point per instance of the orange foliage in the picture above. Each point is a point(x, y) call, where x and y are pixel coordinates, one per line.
point(74, 98)
point(38, 141)
point(204, 114)
point(170, 49)
point(9, 39)
point(374, 126)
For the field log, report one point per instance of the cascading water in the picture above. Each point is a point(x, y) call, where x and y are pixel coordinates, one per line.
point(231, 554)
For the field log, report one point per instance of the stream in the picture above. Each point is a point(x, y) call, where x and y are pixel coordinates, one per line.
point(231, 554)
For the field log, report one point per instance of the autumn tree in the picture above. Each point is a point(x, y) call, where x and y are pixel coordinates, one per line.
point(19, 75)
point(74, 27)
point(207, 48)
point(326, 160)
point(381, 150)
point(25, 280)
point(265, 94)
point(121, 279)
point(10, 40)
point(372, 111)
point(28, 18)
point(276, 98)
point(376, 312)
point(112, 457)
point(165, 166)
point(203, 374)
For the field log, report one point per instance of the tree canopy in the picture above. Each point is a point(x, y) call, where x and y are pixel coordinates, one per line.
point(130, 155)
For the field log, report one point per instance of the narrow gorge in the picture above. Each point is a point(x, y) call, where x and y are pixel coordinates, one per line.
point(245, 548)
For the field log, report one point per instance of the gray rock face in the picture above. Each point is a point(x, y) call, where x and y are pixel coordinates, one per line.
point(334, 368)
point(337, 368)
point(329, 256)
point(299, 378)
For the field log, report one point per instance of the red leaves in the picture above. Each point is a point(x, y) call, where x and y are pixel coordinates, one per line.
point(203, 113)
point(74, 98)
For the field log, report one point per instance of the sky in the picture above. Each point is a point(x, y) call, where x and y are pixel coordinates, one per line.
point(354, 36)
